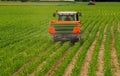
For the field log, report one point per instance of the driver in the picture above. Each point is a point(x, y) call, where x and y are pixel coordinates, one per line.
point(67, 18)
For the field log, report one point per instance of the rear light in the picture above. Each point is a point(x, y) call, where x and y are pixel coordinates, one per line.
point(51, 30)
point(76, 30)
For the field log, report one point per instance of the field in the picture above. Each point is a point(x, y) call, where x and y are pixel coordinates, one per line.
point(26, 48)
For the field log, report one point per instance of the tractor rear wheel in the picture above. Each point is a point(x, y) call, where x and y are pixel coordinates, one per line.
point(74, 40)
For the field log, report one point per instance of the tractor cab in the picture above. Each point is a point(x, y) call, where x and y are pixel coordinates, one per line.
point(68, 16)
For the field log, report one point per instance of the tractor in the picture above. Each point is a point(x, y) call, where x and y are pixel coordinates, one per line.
point(66, 28)
point(92, 2)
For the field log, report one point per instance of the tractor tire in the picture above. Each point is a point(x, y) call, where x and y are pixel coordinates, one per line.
point(74, 40)
point(55, 40)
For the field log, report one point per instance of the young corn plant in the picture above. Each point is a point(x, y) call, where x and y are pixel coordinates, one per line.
point(107, 64)
point(42, 57)
point(82, 54)
point(61, 68)
point(93, 63)
point(51, 61)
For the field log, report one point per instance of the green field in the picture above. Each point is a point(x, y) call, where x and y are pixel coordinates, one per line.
point(26, 48)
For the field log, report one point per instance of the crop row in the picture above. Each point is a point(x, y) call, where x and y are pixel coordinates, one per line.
point(27, 49)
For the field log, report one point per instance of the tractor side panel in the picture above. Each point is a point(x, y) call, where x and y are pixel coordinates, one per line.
point(63, 28)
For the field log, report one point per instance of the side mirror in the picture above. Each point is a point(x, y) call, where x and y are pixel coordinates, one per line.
point(54, 14)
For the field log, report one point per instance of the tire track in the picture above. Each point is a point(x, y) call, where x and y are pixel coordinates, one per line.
point(114, 59)
point(84, 70)
point(99, 71)
point(57, 63)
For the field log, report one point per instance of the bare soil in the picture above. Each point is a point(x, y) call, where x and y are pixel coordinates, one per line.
point(71, 64)
point(114, 59)
point(40, 65)
point(84, 70)
point(24, 65)
point(56, 64)
point(119, 29)
point(100, 64)
point(20, 69)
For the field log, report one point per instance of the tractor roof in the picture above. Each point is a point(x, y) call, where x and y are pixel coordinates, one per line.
point(67, 13)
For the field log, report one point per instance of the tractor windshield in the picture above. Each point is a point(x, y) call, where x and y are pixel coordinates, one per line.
point(67, 17)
